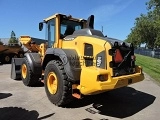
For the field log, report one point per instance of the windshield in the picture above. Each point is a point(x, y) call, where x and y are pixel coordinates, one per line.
point(67, 27)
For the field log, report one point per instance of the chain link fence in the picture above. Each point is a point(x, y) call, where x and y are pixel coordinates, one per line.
point(148, 52)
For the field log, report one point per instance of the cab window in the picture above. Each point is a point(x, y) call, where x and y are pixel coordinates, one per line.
point(67, 27)
point(50, 32)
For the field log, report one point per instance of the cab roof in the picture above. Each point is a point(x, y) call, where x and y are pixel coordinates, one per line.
point(70, 17)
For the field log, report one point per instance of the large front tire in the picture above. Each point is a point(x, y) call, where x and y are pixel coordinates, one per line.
point(57, 86)
point(28, 78)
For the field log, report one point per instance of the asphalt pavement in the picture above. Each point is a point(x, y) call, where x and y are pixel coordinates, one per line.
point(139, 101)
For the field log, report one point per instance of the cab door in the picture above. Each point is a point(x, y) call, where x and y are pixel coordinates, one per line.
point(50, 33)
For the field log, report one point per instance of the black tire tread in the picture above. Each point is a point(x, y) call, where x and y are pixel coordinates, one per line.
point(67, 85)
point(33, 79)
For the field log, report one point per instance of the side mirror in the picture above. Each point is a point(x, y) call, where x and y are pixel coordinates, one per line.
point(90, 22)
point(40, 26)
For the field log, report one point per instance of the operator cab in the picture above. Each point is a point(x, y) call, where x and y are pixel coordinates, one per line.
point(59, 26)
point(67, 27)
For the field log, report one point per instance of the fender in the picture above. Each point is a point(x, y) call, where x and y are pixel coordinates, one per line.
point(70, 60)
point(34, 60)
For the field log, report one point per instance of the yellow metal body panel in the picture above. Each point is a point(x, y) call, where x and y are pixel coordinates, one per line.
point(90, 84)
point(57, 43)
point(43, 48)
point(78, 45)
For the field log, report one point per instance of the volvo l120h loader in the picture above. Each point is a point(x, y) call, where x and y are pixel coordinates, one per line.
point(76, 60)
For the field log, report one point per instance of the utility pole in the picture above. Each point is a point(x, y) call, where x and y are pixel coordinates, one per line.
point(102, 29)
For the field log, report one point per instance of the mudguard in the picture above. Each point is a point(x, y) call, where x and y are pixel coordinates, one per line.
point(70, 60)
point(34, 61)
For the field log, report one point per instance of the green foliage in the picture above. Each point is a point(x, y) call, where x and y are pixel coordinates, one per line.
point(147, 27)
point(13, 38)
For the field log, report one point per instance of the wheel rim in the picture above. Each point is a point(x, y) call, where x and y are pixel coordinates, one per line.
point(24, 71)
point(52, 83)
point(7, 58)
point(21, 55)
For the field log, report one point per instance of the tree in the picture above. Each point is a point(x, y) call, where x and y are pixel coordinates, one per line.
point(147, 27)
point(153, 7)
point(13, 38)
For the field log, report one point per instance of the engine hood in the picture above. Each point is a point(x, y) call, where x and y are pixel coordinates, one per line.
point(112, 41)
point(96, 34)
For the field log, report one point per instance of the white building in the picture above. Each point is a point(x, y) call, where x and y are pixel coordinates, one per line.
point(4, 40)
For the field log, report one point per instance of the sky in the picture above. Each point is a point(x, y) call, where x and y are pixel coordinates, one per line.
point(23, 16)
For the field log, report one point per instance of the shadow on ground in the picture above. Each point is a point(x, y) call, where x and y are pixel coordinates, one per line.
point(92, 119)
point(119, 103)
point(5, 63)
point(5, 95)
point(40, 84)
point(15, 113)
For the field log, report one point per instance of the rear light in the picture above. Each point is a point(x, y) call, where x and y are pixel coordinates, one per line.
point(103, 77)
point(118, 57)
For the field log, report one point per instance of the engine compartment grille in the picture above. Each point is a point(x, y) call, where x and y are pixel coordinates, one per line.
point(123, 60)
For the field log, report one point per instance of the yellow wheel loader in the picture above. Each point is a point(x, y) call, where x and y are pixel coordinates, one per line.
point(75, 60)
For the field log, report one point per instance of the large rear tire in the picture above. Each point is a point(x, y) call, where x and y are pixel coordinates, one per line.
point(57, 86)
point(28, 78)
